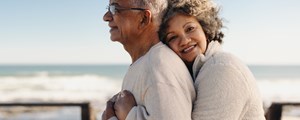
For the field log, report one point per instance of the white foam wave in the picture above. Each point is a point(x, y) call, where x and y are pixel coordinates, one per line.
point(44, 88)
point(280, 90)
point(97, 89)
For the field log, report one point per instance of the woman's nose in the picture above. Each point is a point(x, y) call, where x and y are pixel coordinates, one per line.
point(185, 40)
point(107, 17)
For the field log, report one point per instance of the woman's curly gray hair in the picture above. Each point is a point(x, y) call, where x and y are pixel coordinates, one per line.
point(205, 11)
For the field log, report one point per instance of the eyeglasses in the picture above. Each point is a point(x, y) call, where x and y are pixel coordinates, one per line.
point(113, 9)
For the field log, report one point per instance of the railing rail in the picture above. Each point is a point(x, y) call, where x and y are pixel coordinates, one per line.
point(275, 110)
point(85, 107)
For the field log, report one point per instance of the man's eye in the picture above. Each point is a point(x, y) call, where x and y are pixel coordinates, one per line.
point(117, 10)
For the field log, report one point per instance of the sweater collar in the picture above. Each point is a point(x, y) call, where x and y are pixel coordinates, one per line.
point(212, 48)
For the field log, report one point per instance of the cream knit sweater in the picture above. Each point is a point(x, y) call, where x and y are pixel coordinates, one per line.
point(226, 88)
point(162, 86)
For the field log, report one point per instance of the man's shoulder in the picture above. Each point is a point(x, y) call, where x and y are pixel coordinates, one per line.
point(160, 48)
point(162, 58)
point(164, 66)
point(162, 54)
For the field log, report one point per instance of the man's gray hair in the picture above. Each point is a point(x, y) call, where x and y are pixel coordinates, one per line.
point(157, 7)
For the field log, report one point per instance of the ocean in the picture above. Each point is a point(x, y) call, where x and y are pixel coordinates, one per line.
point(97, 83)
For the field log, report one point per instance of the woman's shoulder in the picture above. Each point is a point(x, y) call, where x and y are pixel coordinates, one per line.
point(222, 59)
point(223, 66)
point(222, 69)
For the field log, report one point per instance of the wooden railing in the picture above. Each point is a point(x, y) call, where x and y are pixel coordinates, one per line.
point(275, 110)
point(85, 107)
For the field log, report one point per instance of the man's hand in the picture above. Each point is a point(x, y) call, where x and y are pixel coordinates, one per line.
point(124, 103)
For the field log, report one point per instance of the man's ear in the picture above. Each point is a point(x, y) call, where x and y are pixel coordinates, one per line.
point(146, 18)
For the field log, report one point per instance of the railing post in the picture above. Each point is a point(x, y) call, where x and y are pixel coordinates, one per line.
point(274, 112)
point(85, 112)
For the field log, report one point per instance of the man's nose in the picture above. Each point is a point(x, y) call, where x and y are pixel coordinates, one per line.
point(107, 17)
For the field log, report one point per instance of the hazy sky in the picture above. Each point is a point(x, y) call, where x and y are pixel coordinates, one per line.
point(73, 32)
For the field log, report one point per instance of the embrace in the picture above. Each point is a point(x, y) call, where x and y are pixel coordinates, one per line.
point(178, 70)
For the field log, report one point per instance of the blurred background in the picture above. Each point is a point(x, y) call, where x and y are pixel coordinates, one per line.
point(60, 51)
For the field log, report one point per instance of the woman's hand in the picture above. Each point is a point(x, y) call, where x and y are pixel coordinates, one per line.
point(124, 103)
point(109, 110)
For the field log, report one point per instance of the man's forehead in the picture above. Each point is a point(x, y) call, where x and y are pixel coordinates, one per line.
point(121, 2)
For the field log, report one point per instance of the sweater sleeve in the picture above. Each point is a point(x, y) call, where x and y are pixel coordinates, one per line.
point(137, 113)
point(222, 93)
point(113, 118)
point(168, 90)
point(162, 103)
point(168, 97)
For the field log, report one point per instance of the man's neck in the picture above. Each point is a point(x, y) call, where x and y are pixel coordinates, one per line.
point(141, 46)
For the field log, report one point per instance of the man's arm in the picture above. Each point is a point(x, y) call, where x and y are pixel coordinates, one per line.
point(167, 91)
point(169, 97)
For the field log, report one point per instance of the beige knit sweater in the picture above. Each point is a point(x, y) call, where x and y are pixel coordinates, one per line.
point(226, 88)
point(161, 85)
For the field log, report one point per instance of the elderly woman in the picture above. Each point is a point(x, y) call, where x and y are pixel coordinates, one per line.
point(226, 88)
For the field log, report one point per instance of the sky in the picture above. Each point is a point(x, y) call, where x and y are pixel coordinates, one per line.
point(259, 32)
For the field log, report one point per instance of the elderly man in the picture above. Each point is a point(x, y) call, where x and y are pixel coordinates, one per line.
point(157, 78)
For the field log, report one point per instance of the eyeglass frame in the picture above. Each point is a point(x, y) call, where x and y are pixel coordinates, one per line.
point(112, 9)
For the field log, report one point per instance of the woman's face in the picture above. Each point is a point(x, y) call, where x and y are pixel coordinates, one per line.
point(185, 37)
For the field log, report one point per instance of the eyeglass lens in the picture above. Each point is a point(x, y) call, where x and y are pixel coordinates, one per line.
point(112, 9)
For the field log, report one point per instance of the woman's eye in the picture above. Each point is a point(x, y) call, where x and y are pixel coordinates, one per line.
point(189, 29)
point(171, 39)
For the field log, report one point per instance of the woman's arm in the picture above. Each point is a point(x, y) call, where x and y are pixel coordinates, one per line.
point(222, 93)
point(124, 103)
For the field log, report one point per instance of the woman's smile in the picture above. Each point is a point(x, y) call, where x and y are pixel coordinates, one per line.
point(188, 49)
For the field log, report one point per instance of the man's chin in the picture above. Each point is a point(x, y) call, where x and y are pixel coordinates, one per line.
point(114, 39)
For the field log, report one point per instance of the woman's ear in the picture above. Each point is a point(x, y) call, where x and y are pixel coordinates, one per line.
point(146, 18)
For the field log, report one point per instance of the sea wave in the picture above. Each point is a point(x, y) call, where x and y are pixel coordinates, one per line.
point(73, 87)
point(279, 90)
point(97, 89)
point(44, 88)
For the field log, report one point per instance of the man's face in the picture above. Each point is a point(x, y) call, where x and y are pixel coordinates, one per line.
point(122, 20)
